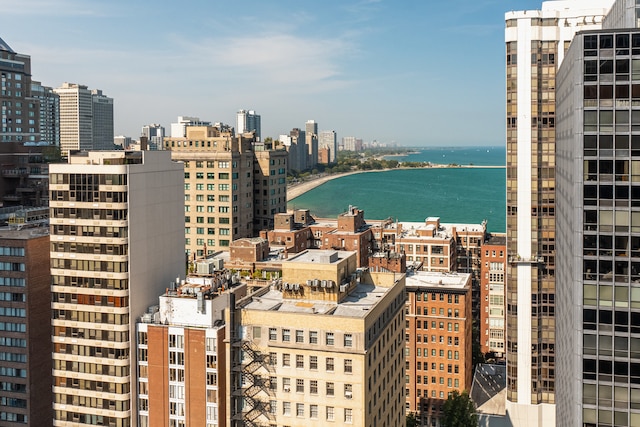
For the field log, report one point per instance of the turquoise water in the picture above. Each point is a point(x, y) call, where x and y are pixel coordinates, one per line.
point(456, 195)
point(479, 156)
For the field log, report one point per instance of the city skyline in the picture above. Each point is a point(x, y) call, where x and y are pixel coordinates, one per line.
point(367, 68)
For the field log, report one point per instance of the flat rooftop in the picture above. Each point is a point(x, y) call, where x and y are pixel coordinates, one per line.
point(319, 256)
point(436, 280)
point(360, 300)
point(20, 233)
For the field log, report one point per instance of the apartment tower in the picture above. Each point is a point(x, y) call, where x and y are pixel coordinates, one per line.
point(117, 240)
point(311, 139)
point(598, 192)
point(49, 113)
point(536, 41)
point(218, 187)
point(25, 294)
point(19, 112)
point(439, 327)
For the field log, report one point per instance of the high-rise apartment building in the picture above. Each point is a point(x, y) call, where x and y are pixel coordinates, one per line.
point(117, 240)
point(248, 121)
point(598, 256)
point(536, 41)
point(25, 356)
point(49, 113)
point(438, 355)
point(19, 111)
point(329, 139)
point(296, 146)
point(324, 345)
point(218, 187)
point(86, 119)
point(269, 187)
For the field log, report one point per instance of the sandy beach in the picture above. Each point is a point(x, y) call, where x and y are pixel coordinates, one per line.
point(297, 190)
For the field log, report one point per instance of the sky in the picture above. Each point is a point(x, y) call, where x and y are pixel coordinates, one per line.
point(413, 72)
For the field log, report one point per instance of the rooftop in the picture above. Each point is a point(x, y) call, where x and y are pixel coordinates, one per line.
point(438, 280)
point(357, 304)
point(4, 46)
point(320, 256)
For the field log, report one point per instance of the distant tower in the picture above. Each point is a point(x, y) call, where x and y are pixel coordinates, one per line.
point(102, 121)
point(18, 124)
point(246, 121)
point(329, 139)
point(49, 113)
point(311, 132)
point(155, 135)
point(86, 118)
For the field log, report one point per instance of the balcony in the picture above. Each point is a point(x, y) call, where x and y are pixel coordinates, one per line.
point(15, 172)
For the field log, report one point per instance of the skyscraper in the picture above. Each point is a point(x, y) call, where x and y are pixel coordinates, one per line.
point(117, 233)
point(102, 121)
point(49, 104)
point(19, 112)
point(329, 139)
point(86, 118)
point(247, 121)
point(598, 242)
point(311, 135)
point(535, 45)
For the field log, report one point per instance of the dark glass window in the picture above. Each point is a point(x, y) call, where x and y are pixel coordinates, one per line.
point(606, 41)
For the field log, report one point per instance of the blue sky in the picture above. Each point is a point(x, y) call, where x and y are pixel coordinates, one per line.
point(419, 72)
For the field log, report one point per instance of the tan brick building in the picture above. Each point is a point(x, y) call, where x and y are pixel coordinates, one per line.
point(332, 339)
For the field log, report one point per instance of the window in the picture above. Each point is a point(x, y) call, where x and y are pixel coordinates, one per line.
point(348, 391)
point(299, 361)
point(313, 337)
point(330, 413)
point(313, 387)
point(272, 334)
point(273, 407)
point(286, 408)
point(313, 411)
point(286, 359)
point(286, 335)
point(286, 384)
point(273, 358)
point(348, 366)
point(300, 386)
point(348, 340)
point(348, 415)
point(299, 409)
point(330, 364)
point(329, 338)
point(330, 389)
point(299, 336)
point(313, 362)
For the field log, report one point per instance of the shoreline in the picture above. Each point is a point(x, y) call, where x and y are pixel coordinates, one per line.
point(297, 190)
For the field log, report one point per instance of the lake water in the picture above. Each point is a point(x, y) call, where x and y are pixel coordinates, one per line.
point(456, 195)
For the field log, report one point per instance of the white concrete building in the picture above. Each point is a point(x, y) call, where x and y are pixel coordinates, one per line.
point(117, 239)
point(247, 121)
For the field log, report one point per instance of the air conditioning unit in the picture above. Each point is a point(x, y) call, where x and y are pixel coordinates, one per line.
point(348, 394)
point(286, 388)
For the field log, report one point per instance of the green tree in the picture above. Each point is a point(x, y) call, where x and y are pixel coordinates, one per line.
point(411, 420)
point(458, 411)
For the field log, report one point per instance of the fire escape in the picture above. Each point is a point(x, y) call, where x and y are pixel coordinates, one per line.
point(252, 390)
